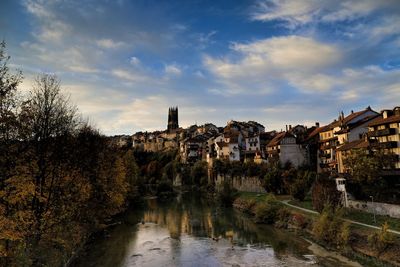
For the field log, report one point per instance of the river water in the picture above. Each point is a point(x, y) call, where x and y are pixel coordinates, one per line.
point(187, 232)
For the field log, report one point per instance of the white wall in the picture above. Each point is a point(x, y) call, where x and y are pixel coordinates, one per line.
point(293, 153)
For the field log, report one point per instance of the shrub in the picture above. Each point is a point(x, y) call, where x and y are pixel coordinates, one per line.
point(299, 220)
point(284, 214)
point(330, 227)
point(245, 205)
point(165, 189)
point(344, 234)
point(267, 211)
point(382, 240)
point(324, 193)
point(302, 184)
point(226, 196)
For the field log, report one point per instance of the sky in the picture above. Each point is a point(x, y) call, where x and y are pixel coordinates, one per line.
point(124, 63)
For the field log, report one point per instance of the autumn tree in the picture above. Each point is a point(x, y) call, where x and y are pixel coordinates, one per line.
point(9, 151)
point(366, 170)
point(366, 166)
point(324, 193)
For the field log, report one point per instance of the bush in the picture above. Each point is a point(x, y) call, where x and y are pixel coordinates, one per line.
point(302, 184)
point(382, 240)
point(284, 214)
point(267, 212)
point(165, 189)
point(299, 220)
point(245, 205)
point(199, 173)
point(226, 196)
point(324, 193)
point(330, 227)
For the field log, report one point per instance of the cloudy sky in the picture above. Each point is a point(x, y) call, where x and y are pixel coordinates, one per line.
point(277, 62)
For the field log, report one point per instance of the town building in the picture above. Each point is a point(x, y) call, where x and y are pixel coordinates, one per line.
point(285, 148)
point(340, 131)
point(172, 119)
point(384, 133)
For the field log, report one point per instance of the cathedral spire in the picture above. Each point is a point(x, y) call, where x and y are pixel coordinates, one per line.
point(172, 119)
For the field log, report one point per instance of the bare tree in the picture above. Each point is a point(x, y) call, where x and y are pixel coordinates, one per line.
point(8, 100)
point(48, 119)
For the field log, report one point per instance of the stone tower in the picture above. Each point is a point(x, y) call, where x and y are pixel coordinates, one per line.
point(173, 119)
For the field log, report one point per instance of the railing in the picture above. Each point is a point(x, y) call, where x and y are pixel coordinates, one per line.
point(383, 145)
point(383, 132)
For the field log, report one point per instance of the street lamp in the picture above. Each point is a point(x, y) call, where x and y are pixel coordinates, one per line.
point(373, 209)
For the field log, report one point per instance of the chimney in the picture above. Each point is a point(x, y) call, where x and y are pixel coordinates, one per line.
point(286, 128)
point(352, 111)
point(290, 127)
point(317, 124)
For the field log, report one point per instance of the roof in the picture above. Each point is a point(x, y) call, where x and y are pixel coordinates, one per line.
point(348, 118)
point(362, 143)
point(278, 138)
point(316, 131)
point(356, 124)
point(381, 120)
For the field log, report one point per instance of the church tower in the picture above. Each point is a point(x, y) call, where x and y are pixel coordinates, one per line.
point(172, 119)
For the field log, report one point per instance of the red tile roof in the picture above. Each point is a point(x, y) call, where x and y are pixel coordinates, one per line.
point(354, 144)
point(381, 120)
point(315, 132)
point(278, 138)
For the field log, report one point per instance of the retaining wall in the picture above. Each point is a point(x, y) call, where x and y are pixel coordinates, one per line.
point(378, 208)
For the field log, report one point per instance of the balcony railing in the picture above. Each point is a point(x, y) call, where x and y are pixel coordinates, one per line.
point(383, 145)
point(383, 132)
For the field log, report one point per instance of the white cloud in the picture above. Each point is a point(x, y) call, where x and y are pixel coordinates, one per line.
point(293, 12)
point(109, 43)
point(263, 63)
point(134, 61)
point(300, 12)
point(129, 75)
point(172, 69)
point(83, 69)
point(290, 52)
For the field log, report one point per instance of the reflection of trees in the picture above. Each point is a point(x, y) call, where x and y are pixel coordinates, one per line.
point(116, 244)
point(194, 217)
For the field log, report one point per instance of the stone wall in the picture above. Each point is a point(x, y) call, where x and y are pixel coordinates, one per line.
point(242, 183)
point(379, 208)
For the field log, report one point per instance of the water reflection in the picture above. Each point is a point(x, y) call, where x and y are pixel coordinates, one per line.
point(188, 232)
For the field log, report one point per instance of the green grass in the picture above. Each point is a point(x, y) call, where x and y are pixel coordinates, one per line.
point(356, 215)
point(368, 218)
point(306, 204)
point(259, 197)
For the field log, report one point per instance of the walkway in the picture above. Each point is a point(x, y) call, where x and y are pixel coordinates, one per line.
point(286, 202)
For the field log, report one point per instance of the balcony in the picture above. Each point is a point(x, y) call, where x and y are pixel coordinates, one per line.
point(384, 145)
point(387, 131)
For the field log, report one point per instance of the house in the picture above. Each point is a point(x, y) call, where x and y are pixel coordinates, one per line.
point(340, 131)
point(229, 151)
point(311, 144)
point(384, 133)
point(285, 148)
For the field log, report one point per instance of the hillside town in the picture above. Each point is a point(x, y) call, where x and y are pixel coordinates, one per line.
point(321, 147)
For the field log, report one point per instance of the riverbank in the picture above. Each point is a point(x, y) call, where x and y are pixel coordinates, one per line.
point(188, 230)
point(356, 245)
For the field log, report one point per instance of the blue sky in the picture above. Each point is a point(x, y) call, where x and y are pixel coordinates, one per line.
point(277, 62)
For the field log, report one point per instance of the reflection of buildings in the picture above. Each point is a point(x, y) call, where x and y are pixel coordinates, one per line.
point(192, 219)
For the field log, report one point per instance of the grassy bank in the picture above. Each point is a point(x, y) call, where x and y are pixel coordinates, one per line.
point(327, 229)
point(356, 215)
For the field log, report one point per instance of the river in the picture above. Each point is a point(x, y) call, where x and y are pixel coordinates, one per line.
point(187, 232)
